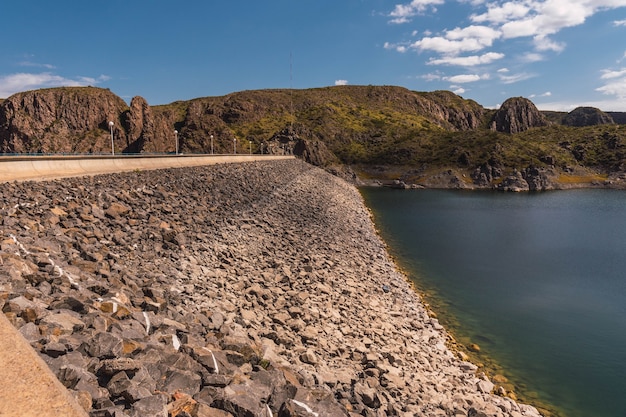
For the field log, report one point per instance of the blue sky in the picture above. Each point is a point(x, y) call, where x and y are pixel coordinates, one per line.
point(559, 53)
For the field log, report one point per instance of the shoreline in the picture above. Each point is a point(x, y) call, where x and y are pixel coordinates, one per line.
point(531, 179)
point(274, 269)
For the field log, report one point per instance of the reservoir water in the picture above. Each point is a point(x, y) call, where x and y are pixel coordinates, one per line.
point(537, 280)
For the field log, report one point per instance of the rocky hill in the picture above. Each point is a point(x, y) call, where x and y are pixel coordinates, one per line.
point(587, 116)
point(367, 133)
point(517, 115)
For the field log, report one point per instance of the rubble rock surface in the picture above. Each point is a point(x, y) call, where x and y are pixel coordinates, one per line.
point(257, 289)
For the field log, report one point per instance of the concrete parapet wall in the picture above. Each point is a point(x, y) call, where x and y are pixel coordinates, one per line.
point(28, 386)
point(44, 167)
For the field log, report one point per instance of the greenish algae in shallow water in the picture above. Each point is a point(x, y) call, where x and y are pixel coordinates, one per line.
point(460, 341)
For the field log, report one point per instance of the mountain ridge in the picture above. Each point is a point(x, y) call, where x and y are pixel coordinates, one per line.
point(371, 134)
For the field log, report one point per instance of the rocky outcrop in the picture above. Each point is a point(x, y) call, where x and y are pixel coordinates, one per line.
point(587, 116)
point(530, 179)
point(442, 108)
point(447, 106)
point(540, 179)
point(516, 115)
point(314, 152)
point(485, 175)
point(302, 144)
point(234, 290)
point(140, 126)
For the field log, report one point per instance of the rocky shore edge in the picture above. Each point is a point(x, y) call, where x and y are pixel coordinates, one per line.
point(256, 289)
point(484, 178)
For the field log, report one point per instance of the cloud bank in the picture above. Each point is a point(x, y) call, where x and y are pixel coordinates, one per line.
point(518, 32)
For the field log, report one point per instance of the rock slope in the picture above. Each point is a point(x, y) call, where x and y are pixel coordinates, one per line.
point(256, 289)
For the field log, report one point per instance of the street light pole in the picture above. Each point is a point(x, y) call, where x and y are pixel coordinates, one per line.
point(211, 144)
point(235, 146)
point(250, 147)
point(176, 134)
point(112, 144)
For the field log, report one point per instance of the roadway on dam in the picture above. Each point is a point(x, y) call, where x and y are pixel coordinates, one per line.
point(38, 168)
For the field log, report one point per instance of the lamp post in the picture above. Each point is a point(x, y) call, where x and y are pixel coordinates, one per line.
point(176, 134)
point(112, 144)
point(250, 147)
point(211, 144)
point(235, 146)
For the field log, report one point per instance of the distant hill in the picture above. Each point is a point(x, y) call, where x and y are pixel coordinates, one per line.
point(374, 132)
point(586, 116)
point(618, 117)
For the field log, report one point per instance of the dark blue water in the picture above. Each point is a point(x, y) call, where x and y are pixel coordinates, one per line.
point(537, 280)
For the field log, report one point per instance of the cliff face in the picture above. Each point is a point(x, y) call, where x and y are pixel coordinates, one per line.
point(59, 120)
point(76, 120)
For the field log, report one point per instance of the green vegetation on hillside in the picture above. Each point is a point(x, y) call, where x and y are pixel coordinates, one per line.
point(360, 126)
point(366, 126)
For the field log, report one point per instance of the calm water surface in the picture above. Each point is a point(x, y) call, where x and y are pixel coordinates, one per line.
point(537, 280)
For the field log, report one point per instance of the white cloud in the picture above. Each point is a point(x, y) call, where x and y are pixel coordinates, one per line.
point(543, 43)
point(15, 83)
point(431, 77)
point(518, 28)
point(496, 23)
point(398, 47)
point(35, 64)
point(402, 13)
point(457, 89)
point(467, 61)
point(507, 19)
point(341, 82)
point(463, 78)
point(458, 40)
point(546, 94)
point(610, 74)
point(615, 84)
point(497, 14)
point(605, 105)
point(532, 18)
point(515, 78)
point(483, 33)
point(532, 57)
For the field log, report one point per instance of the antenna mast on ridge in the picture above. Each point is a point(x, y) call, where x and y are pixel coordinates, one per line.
point(291, 89)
